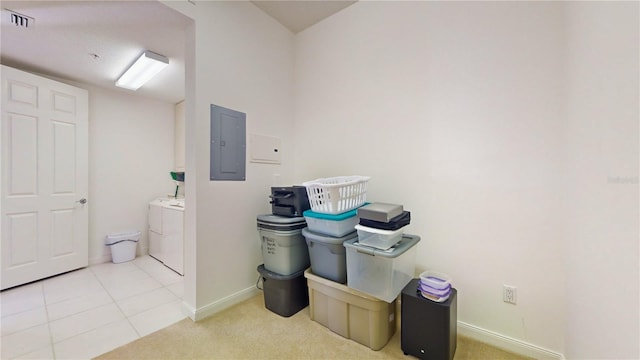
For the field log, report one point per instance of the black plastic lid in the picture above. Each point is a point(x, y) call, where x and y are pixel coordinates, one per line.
point(394, 224)
point(280, 220)
point(271, 275)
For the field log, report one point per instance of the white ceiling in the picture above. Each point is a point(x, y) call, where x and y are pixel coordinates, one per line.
point(299, 15)
point(65, 34)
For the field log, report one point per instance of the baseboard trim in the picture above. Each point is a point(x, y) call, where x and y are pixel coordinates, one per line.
point(100, 259)
point(105, 258)
point(506, 343)
point(188, 310)
point(219, 305)
point(464, 329)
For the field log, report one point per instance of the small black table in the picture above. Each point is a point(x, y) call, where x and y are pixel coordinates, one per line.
point(429, 328)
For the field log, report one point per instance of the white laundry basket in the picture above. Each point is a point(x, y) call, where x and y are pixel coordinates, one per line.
point(123, 246)
point(337, 195)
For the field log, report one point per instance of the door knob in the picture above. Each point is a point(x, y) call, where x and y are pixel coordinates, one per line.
point(82, 201)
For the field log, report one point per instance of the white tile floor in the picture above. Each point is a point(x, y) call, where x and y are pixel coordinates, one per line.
point(85, 313)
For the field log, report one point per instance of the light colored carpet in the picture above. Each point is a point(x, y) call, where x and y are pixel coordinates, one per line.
point(249, 330)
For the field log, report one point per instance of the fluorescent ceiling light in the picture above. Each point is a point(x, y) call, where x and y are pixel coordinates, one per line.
point(146, 67)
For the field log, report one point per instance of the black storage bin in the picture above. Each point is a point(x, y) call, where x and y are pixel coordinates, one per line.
point(289, 201)
point(284, 295)
point(429, 328)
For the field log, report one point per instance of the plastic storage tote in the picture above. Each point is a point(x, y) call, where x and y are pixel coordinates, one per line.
point(377, 238)
point(435, 280)
point(337, 194)
point(381, 273)
point(382, 212)
point(123, 246)
point(350, 313)
point(328, 255)
point(284, 295)
point(332, 225)
point(284, 249)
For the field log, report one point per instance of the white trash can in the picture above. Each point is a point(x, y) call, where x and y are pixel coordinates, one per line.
point(123, 246)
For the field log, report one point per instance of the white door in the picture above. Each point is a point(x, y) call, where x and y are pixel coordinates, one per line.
point(44, 141)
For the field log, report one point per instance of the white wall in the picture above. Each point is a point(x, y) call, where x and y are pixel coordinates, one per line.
point(455, 110)
point(459, 111)
point(130, 156)
point(602, 226)
point(240, 58)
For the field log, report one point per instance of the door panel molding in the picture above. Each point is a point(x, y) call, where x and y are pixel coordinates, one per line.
point(44, 170)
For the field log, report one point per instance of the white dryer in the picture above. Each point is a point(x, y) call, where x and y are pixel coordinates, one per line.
point(166, 232)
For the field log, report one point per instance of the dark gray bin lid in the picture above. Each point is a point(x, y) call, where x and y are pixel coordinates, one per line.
point(280, 220)
point(275, 222)
point(398, 249)
point(271, 275)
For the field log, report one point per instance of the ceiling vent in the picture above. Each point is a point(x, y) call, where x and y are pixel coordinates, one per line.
point(19, 19)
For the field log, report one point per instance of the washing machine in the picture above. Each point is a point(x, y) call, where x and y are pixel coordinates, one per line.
point(166, 232)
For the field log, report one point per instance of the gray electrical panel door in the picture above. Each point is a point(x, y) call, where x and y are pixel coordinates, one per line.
point(228, 144)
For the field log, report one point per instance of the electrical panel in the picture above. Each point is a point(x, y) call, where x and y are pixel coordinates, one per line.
point(228, 144)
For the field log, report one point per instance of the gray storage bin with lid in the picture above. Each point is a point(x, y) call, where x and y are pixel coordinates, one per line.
point(381, 273)
point(284, 249)
point(328, 255)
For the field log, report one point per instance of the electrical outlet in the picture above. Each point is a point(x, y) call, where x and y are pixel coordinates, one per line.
point(509, 294)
